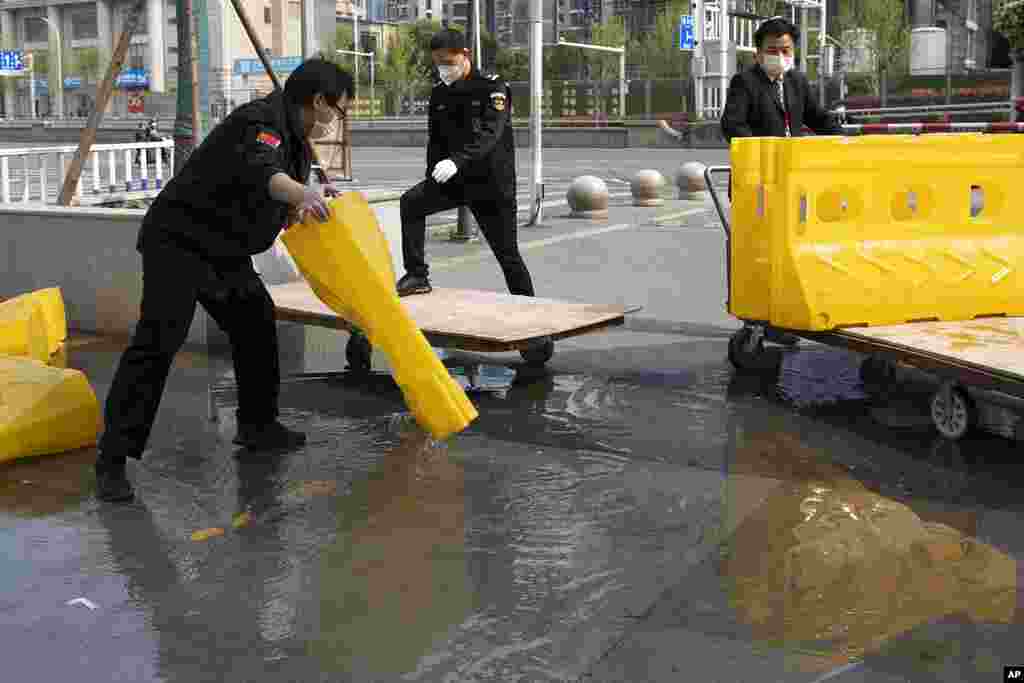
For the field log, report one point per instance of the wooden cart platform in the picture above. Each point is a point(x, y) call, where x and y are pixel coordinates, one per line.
point(466, 319)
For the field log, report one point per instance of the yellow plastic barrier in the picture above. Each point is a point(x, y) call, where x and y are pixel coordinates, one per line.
point(23, 329)
point(56, 317)
point(44, 409)
point(832, 232)
point(348, 265)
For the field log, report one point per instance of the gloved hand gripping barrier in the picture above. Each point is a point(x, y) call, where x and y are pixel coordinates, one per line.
point(347, 263)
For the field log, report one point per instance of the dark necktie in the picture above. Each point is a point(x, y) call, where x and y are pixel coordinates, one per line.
point(780, 98)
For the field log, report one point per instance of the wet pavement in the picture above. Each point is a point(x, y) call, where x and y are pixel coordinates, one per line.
point(636, 511)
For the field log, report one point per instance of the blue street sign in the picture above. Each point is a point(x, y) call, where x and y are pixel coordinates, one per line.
point(72, 83)
point(133, 78)
point(281, 65)
point(686, 41)
point(11, 62)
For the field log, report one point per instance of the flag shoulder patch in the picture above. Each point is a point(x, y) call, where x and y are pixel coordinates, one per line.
point(268, 139)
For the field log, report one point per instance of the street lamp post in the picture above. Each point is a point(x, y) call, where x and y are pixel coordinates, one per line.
point(60, 68)
point(621, 51)
point(372, 71)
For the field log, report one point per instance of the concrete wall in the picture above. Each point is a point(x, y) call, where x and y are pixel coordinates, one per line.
point(90, 254)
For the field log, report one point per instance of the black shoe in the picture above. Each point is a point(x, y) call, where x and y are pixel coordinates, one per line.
point(112, 486)
point(272, 436)
point(413, 284)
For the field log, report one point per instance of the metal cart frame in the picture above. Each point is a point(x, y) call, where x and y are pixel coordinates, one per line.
point(962, 387)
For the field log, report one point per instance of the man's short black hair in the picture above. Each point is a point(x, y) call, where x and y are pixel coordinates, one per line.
point(449, 39)
point(776, 26)
point(315, 76)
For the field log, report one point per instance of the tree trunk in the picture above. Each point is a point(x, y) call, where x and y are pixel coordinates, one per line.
point(883, 88)
point(1017, 81)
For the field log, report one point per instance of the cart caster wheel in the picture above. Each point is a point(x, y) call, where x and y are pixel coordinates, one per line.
point(876, 372)
point(358, 353)
point(952, 413)
point(539, 352)
point(749, 355)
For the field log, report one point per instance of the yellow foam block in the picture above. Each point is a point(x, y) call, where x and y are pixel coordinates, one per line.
point(23, 329)
point(54, 314)
point(347, 263)
point(44, 409)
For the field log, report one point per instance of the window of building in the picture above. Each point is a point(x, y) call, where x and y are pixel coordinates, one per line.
point(83, 23)
point(969, 56)
point(266, 15)
point(36, 30)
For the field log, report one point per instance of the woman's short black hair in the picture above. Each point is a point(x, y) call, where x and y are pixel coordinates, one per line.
point(318, 76)
point(776, 26)
point(449, 39)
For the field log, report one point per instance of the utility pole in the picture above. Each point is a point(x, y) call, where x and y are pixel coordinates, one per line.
point(536, 105)
point(186, 120)
point(467, 229)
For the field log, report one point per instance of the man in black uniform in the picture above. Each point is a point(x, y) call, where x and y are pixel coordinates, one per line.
point(471, 162)
point(238, 190)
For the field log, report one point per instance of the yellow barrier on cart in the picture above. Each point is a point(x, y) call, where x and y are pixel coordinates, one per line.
point(347, 263)
point(44, 409)
point(832, 232)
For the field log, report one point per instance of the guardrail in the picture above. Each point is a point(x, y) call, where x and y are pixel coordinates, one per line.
point(25, 173)
point(919, 128)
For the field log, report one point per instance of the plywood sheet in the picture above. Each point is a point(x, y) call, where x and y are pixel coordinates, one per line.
point(990, 343)
point(467, 318)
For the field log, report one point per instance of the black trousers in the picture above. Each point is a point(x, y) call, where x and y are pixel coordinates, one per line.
point(497, 219)
point(173, 281)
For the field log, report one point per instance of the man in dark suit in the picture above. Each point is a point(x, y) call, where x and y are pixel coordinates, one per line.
point(771, 98)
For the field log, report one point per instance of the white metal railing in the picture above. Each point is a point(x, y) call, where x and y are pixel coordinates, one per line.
point(25, 173)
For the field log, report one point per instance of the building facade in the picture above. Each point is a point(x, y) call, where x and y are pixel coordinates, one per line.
point(84, 33)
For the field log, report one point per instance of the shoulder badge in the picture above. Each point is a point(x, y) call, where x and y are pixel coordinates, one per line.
point(268, 139)
point(498, 101)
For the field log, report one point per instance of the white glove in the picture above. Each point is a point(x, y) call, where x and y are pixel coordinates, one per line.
point(444, 170)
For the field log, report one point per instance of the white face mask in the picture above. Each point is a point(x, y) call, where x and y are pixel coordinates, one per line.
point(776, 65)
point(449, 73)
point(321, 128)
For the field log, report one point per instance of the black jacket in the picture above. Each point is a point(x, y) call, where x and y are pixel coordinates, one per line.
point(751, 109)
point(218, 205)
point(471, 124)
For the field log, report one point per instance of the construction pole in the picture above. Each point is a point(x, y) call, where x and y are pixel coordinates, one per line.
point(88, 138)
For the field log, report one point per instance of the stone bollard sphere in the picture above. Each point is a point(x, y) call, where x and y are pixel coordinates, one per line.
point(690, 181)
point(588, 197)
point(646, 187)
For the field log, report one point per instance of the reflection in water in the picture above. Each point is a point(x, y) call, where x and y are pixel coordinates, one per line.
point(395, 580)
point(819, 560)
point(47, 484)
